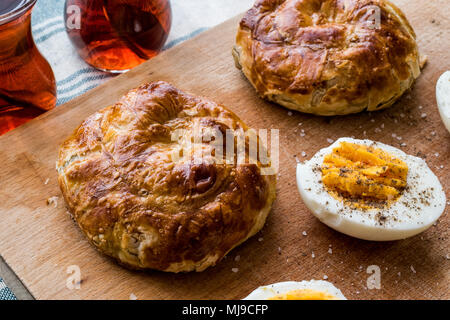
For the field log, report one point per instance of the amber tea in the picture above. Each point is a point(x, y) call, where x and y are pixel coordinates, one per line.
point(27, 83)
point(117, 35)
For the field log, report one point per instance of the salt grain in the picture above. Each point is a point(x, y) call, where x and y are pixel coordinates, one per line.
point(313, 255)
point(237, 258)
point(46, 181)
point(413, 270)
point(330, 140)
point(304, 233)
point(423, 115)
point(53, 200)
point(289, 113)
point(303, 154)
point(260, 239)
point(133, 296)
point(235, 270)
point(330, 251)
point(325, 277)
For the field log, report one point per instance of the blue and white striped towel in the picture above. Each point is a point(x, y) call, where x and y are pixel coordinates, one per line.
point(5, 293)
point(74, 76)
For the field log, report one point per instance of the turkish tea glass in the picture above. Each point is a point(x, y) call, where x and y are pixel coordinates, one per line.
point(117, 35)
point(27, 83)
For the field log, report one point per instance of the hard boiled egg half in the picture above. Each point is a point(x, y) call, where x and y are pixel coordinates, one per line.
point(370, 190)
point(293, 290)
point(443, 98)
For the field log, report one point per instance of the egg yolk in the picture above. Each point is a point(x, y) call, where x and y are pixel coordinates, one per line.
point(304, 294)
point(362, 176)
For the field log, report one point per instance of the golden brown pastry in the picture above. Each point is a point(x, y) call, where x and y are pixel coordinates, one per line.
point(328, 57)
point(142, 201)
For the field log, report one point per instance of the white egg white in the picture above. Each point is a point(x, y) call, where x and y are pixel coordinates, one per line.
point(419, 206)
point(443, 98)
point(270, 291)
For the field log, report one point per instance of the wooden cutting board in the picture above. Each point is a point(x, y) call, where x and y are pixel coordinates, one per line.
point(40, 242)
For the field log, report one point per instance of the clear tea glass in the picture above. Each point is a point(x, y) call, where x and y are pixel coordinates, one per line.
point(117, 35)
point(27, 83)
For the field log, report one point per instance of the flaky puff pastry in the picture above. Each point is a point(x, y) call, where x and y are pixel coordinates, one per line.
point(142, 201)
point(328, 57)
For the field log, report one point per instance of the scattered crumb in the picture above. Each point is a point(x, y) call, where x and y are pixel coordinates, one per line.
point(289, 113)
point(235, 270)
point(53, 200)
point(260, 239)
point(133, 296)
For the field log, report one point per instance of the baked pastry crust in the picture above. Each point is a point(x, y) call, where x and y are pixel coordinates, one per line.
point(136, 204)
point(327, 57)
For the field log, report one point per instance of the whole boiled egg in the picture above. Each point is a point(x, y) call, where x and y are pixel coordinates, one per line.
point(443, 98)
point(293, 290)
point(370, 190)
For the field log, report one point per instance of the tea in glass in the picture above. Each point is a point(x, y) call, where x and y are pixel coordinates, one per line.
point(117, 35)
point(27, 83)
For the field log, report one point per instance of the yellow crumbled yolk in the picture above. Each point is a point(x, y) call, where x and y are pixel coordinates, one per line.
point(304, 294)
point(363, 176)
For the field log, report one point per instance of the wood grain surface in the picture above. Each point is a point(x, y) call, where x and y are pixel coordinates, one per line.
point(40, 242)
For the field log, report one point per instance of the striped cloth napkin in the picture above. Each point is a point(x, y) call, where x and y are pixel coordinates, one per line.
point(74, 76)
